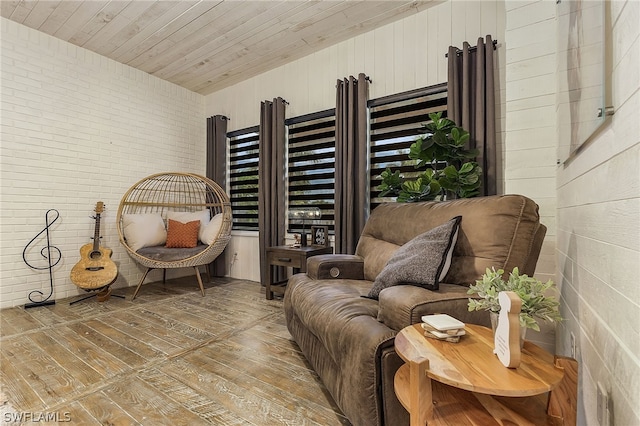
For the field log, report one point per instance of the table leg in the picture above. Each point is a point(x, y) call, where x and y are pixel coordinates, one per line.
point(420, 393)
point(563, 399)
point(267, 289)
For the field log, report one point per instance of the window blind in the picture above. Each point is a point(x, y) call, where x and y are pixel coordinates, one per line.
point(394, 124)
point(243, 177)
point(311, 165)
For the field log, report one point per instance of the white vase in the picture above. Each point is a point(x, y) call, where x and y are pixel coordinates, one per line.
point(494, 323)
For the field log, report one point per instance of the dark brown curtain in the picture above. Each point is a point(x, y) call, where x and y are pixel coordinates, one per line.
point(471, 103)
point(351, 176)
point(216, 171)
point(271, 182)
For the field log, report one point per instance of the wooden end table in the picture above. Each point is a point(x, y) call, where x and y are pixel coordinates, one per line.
point(287, 256)
point(464, 383)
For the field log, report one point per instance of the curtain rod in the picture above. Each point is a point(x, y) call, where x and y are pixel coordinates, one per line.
point(366, 77)
point(471, 49)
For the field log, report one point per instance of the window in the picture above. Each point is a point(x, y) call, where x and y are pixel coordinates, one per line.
point(243, 177)
point(394, 123)
point(311, 165)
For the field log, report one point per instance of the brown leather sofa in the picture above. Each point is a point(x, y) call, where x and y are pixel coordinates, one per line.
point(348, 339)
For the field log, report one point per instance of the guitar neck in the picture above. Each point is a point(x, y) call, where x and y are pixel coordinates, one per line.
point(96, 235)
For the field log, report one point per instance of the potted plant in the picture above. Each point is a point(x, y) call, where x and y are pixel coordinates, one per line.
point(538, 302)
point(449, 167)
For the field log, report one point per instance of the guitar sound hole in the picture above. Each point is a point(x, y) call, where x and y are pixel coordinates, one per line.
point(95, 255)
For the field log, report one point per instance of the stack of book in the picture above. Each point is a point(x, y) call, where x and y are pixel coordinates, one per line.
point(442, 327)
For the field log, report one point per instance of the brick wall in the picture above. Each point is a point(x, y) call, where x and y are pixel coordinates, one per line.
point(77, 128)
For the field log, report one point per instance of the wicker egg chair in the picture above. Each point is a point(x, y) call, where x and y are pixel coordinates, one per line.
point(181, 193)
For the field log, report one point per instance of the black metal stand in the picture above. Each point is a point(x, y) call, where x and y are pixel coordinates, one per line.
point(36, 304)
point(94, 295)
point(48, 248)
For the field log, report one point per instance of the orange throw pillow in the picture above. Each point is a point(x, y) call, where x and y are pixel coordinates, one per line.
point(182, 235)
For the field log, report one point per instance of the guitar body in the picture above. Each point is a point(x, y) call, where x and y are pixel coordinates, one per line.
point(95, 268)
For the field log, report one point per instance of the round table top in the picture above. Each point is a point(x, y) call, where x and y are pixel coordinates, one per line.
point(471, 364)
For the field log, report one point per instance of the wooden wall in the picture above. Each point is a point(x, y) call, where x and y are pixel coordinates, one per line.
point(405, 55)
point(590, 203)
point(598, 235)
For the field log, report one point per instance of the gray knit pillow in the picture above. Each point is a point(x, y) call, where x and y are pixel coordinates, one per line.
point(424, 261)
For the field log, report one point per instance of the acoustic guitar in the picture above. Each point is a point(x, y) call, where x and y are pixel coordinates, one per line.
point(95, 268)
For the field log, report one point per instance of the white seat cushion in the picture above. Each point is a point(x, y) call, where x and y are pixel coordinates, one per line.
point(143, 230)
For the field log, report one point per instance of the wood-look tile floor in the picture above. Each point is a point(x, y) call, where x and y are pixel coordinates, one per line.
point(170, 357)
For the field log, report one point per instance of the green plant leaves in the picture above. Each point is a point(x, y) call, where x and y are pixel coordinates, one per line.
point(466, 168)
point(391, 183)
point(424, 188)
point(538, 299)
point(464, 182)
point(443, 143)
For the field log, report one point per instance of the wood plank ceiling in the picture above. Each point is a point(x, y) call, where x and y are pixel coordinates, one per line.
point(206, 45)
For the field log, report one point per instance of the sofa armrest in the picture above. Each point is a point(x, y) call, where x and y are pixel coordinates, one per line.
point(403, 305)
point(335, 266)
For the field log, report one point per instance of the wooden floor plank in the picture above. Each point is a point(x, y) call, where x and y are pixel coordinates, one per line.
point(16, 320)
point(101, 361)
point(148, 405)
point(132, 344)
point(191, 320)
point(77, 367)
point(118, 351)
point(62, 312)
point(105, 411)
point(42, 373)
point(218, 322)
point(268, 382)
point(169, 357)
point(15, 387)
point(231, 311)
point(76, 414)
point(233, 397)
point(138, 318)
point(193, 333)
point(153, 341)
point(291, 378)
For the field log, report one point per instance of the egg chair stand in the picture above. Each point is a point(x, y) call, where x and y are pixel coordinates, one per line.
point(176, 192)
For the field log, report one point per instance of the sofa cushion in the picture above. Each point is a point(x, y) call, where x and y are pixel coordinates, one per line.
point(403, 305)
point(424, 261)
point(143, 230)
point(339, 334)
point(326, 306)
point(497, 231)
point(185, 217)
point(182, 235)
point(209, 232)
point(165, 254)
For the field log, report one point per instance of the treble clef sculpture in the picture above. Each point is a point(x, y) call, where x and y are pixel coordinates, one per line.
point(48, 252)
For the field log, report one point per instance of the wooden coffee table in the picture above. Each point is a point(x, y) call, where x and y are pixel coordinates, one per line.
point(465, 383)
